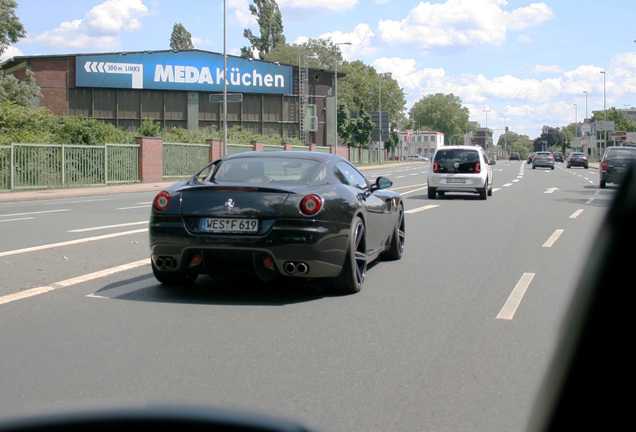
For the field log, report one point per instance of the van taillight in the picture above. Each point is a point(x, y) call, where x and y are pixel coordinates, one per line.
point(436, 167)
point(477, 167)
point(604, 164)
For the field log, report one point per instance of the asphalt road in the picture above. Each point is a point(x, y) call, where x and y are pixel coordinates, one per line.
point(456, 336)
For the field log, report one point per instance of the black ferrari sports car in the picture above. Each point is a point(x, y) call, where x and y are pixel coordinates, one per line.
point(295, 214)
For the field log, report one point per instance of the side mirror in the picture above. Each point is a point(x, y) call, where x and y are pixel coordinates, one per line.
point(383, 183)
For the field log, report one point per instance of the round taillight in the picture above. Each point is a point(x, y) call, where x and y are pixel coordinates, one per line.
point(161, 201)
point(310, 205)
point(436, 167)
point(477, 167)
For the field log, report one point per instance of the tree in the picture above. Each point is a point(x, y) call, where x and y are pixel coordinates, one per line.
point(360, 128)
point(548, 141)
point(441, 113)
point(11, 29)
point(19, 92)
point(320, 53)
point(270, 24)
point(516, 142)
point(622, 123)
point(180, 39)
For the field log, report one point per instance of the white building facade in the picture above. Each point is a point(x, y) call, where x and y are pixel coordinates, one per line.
point(422, 143)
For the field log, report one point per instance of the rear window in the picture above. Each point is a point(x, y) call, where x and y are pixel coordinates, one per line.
point(266, 169)
point(621, 154)
point(542, 155)
point(457, 160)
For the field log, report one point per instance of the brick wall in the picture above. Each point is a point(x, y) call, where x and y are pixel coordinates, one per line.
point(53, 78)
point(150, 159)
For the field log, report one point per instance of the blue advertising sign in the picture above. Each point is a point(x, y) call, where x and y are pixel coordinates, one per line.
point(184, 70)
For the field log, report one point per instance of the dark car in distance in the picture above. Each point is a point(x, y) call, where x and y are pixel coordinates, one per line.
point(578, 159)
point(558, 156)
point(293, 214)
point(514, 156)
point(615, 162)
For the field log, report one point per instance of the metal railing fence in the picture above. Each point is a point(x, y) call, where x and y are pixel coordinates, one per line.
point(184, 159)
point(41, 166)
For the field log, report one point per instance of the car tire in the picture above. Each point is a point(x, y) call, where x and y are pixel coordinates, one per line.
point(396, 248)
point(173, 278)
point(432, 192)
point(483, 193)
point(354, 269)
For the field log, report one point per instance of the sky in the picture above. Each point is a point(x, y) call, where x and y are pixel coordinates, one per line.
point(518, 63)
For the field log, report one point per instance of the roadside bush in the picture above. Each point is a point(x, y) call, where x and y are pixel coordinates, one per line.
point(149, 128)
point(75, 130)
point(39, 125)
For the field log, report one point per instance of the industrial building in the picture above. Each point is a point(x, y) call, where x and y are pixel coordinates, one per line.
point(183, 88)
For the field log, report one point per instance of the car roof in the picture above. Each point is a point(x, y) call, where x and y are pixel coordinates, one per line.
point(286, 154)
point(460, 147)
point(620, 148)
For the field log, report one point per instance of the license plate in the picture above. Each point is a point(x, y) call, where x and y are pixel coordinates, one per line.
point(455, 180)
point(230, 225)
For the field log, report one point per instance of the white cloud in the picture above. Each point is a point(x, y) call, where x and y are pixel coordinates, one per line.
point(461, 22)
point(98, 30)
point(10, 52)
point(541, 69)
point(334, 5)
point(241, 14)
point(361, 39)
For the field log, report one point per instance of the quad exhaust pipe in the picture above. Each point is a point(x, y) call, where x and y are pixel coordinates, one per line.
point(292, 267)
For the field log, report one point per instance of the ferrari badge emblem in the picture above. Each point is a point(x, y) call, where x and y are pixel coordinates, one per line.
point(229, 204)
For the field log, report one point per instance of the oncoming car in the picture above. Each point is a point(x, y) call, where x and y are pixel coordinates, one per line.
point(460, 169)
point(295, 214)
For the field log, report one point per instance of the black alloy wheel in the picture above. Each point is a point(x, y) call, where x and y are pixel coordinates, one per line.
point(354, 270)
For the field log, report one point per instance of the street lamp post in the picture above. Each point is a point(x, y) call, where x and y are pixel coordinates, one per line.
point(335, 93)
point(576, 120)
point(604, 112)
point(380, 111)
point(486, 111)
point(504, 134)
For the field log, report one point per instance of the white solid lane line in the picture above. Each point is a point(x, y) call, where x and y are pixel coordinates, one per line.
point(70, 242)
point(74, 281)
point(508, 310)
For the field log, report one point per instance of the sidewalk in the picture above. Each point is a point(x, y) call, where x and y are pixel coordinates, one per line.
point(48, 194)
